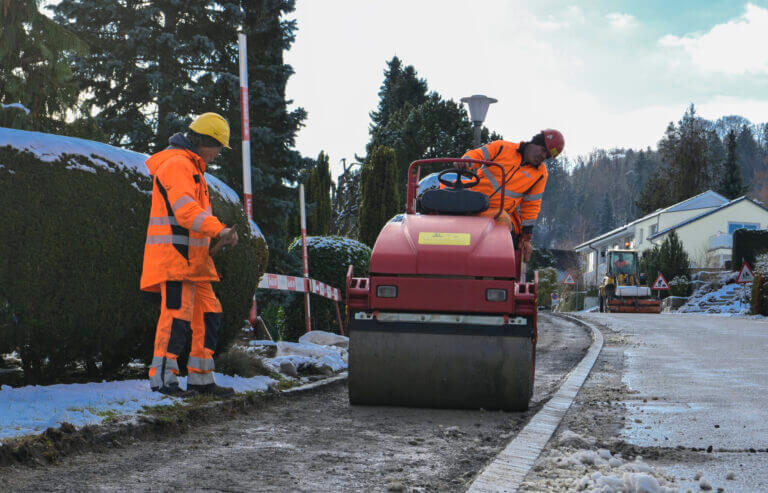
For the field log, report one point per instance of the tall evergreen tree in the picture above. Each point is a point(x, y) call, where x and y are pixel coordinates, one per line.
point(748, 153)
point(606, 220)
point(655, 194)
point(401, 85)
point(685, 147)
point(731, 185)
point(380, 199)
point(34, 70)
point(319, 196)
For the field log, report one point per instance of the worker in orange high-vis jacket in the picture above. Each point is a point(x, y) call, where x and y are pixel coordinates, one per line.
point(177, 263)
point(526, 179)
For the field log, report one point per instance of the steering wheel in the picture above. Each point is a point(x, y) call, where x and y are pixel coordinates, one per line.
point(457, 183)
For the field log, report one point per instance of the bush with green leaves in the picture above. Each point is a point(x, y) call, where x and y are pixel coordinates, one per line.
point(759, 297)
point(547, 285)
point(329, 259)
point(678, 286)
point(70, 263)
point(670, 259)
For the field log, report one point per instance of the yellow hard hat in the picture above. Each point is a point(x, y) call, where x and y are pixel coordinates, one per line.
point(212, 125)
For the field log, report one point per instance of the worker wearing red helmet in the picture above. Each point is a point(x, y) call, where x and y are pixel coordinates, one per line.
point(526, 179)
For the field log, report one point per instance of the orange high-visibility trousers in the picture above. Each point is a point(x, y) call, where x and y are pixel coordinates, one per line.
point(186, 307)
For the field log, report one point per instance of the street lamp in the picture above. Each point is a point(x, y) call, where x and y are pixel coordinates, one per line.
point(478, 108)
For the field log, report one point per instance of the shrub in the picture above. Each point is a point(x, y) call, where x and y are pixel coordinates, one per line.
point(670, 259)
point(70, 263)
point(747, 246)
point(547, 286)
point(329, 259)
point(678, 286)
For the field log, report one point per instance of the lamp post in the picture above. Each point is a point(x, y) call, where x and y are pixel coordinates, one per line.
point(478, 108)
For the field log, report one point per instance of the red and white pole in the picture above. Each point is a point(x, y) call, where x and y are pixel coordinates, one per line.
point(246, 126)
point(305, 256)
point(245, 123)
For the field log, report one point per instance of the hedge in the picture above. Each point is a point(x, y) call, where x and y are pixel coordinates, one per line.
point(329, 259)
point(747, 246)
point(70, 263)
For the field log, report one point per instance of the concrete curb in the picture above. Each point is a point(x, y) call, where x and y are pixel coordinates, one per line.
point(511, 465)
point(55, 443)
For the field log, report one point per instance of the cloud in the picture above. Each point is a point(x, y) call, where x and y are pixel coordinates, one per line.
point(734, 48)
point(620, 21)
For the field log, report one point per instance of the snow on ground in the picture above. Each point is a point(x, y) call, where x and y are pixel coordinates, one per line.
point(34, 408)
point(579, 467)
point(50, 148)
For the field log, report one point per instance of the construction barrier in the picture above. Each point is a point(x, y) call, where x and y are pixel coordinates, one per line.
point(301, 285)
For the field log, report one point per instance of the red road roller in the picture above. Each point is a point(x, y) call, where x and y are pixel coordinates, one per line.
point(445, 318)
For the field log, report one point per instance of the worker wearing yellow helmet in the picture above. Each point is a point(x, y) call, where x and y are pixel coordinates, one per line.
point(177, 263)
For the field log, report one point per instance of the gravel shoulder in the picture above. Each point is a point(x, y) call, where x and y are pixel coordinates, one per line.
point(315, 441)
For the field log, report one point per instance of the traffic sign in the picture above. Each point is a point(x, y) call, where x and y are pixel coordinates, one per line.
point(661, 283)
point(554, 296)
point(569, 279)
point(745, 275)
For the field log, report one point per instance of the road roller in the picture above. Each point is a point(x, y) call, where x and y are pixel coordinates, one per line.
point(445, 317)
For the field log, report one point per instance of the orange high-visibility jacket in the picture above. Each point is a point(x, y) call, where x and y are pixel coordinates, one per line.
point(525, 184)
point(181, 222)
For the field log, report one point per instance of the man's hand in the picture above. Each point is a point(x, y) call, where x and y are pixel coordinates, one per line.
point(527, 250)
point(228, 236)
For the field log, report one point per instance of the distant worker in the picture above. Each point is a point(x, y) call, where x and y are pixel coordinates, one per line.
point(526, 179)
point(177, 263)
point(620, 264)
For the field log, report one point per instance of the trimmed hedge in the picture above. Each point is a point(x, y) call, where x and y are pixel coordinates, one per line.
point(329, 259)
point(747, 246)
point(70, 263)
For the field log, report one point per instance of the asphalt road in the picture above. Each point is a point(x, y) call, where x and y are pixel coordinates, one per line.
point(698, 382)
point(317, 442)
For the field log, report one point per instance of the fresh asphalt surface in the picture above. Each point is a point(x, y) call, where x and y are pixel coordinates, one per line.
point(698, 382)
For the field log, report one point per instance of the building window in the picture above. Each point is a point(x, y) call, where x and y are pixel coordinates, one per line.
point(640, 238)
point(734, 226)
point(654, 228)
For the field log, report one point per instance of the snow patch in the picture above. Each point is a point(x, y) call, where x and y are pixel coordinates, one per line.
point(17, 106)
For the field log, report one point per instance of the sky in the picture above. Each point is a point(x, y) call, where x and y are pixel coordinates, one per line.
point(606, 73)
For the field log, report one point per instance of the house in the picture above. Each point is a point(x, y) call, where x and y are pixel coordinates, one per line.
point(704, 223)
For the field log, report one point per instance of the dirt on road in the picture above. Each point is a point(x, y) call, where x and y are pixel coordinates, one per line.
point(316, 441)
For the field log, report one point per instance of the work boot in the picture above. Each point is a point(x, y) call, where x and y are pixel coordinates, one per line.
point(212, 389)
point(174, 390)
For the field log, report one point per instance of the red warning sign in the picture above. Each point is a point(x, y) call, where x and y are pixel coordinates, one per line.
point(745, 275)
point(661, 283)
point(569, 279)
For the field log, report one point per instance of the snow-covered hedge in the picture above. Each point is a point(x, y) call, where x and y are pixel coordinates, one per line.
point(329, 259)
point(75, 216)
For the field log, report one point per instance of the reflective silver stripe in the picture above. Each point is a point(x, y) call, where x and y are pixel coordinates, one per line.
point(535, 196)
point(486, 155)
point(161, 378)
point(525, 173)
point(161, 221)
point(183, 200)
point(199, 242)
point(529, 222)
point(491, 178)
point(198, 222)
point(515, 195)
point(201, 363)
point(200, 378)
point(167, 239)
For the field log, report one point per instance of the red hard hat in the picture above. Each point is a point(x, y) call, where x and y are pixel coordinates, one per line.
point(553, 141)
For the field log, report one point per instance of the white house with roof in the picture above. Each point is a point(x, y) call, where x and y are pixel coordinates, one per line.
point(704, 223)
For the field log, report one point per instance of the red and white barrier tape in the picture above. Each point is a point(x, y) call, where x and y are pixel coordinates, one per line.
point(300, 284)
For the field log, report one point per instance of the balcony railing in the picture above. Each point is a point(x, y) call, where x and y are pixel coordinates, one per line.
point(721, 240)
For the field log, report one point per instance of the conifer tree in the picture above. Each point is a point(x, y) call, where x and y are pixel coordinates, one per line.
point(686, 148)
point(34, 70)
point(606, 219)
point(319, 196)
point(380, 199)
point(401, 86)
point(731, 185)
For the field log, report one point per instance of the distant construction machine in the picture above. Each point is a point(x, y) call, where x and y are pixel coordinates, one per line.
point(621, 289)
